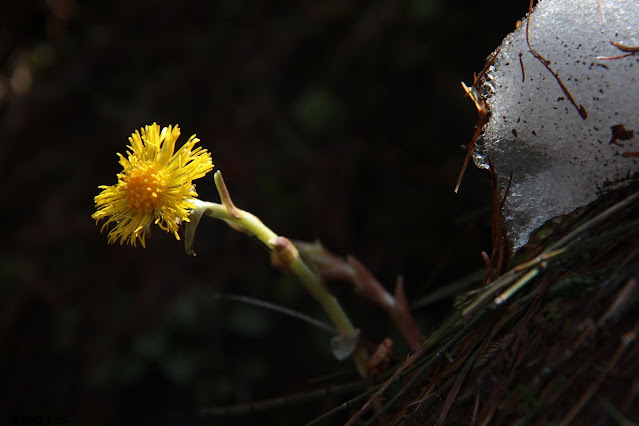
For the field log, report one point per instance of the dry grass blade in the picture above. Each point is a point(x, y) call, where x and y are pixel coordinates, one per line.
point(555, 328)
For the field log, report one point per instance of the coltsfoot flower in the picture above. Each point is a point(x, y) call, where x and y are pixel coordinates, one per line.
point(156, 185)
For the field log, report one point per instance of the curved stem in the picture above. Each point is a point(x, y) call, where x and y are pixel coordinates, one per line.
point(285, 255)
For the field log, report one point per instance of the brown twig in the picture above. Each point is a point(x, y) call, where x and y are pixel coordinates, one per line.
point(330, 266)
point(580, 108)
point(482, 110)
point(483, 119)
point(499, 255)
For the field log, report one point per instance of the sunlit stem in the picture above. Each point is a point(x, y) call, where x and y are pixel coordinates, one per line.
point(285, 255)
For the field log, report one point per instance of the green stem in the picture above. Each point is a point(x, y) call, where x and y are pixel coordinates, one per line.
point(317, 289)
point(284, 253)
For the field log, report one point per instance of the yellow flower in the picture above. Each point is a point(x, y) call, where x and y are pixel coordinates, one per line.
point(155, 185)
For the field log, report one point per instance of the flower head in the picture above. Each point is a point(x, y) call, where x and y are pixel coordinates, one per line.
point(154, 186)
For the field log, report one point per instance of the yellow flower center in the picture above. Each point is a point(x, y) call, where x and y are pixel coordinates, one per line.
point(144, 187)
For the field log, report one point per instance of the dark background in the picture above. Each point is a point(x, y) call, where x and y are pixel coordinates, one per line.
point(334, 120)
